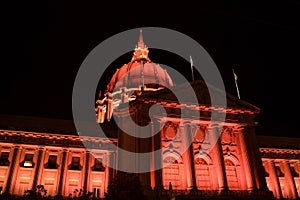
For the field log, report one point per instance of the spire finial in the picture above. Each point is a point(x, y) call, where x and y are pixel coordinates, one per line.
point(141, 50)
point(141, 43)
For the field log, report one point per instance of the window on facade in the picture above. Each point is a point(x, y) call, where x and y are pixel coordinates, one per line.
point(96, 192)
point(231, 175)
point(266, 173)
point(279, 172)
point(28, 160)
point(202, 174)
point(98, 165)
point(52, 162)
point(75, 163)
point(171, 173)
point(294, 172)
point(4, 159)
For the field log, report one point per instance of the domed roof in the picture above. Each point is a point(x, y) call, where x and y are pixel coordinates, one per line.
point(140, 71)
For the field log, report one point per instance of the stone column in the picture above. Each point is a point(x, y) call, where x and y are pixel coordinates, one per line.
point(158, 157)
point(144, 162)
point(111, 170)
point(126, 143)
point(188, 157)
point(106, 171)
point(289, 180)
point(62, 171)
point(274, 179)
point(152, 159)
point(217, 153)
point(37, 167)
point(255, 156)
point(86, 174)
point(250, 178)
point(11, 169)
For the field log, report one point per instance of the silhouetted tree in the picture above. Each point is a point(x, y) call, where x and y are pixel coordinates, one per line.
point(38, 194)
point(125, 186)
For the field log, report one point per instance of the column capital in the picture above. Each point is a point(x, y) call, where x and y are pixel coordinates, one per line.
point(41, 147)
point(244, 126)
point(203, 125)
point(285, 162)
point(239, 127)
point(186, 123)
point(16, 146)
point(213, 125)
point(269, 161)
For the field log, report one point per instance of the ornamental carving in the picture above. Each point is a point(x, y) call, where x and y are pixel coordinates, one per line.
point(170, 131)
point(38, 139)
point(228, 162)
point(228, 136)
point(228, 151)
point(279, 153)
point(170, 160)
point(200, 161)
point(200, 134)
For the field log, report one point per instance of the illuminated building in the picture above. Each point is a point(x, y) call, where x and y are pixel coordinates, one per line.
point(240, 164)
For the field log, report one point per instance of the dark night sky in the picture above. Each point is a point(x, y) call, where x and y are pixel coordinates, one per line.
point(45, 42)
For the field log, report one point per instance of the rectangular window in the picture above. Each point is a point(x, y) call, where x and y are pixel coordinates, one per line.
point(96, 192)
point(75, 163)
point(4, 159)
point(266, 173)
point(28, 160)
point(279, 172)
point(171, 174)
point(52, 162)
point(294, 172)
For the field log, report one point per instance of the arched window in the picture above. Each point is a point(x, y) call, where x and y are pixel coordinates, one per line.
point(171, 173)
point(232, 178)
point(202, 174)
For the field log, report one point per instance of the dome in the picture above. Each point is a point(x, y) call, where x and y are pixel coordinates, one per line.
point(132, 79)
point(140, 71)
point(137, 72)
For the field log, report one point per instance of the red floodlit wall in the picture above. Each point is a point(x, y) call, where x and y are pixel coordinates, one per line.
point(227, 166)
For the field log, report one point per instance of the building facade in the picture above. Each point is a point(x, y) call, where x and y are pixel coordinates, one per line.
point(62, 164)
point(59, 162)
point(238, 165)
point(281, 161)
